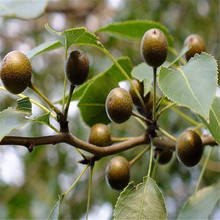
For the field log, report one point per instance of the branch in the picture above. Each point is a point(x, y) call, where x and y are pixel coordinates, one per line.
point(98, 152)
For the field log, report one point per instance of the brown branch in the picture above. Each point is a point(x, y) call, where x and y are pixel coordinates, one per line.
point(98, 152)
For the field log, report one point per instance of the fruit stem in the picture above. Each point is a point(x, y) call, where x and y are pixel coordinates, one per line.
point(203, 169)
point(76, 181)
point(72, 87)
point(35, 89)
point(141, 117)
point(151, 157)
point(172, 50)
point(134, 160)
point(155, 166)
point(167, 134)
point(89, 192)
point(154, 92)
point(141, 123)
point(125, 75)
point(64, 87)
point(33, 101)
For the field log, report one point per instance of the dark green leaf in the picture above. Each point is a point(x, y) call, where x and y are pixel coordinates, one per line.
point(135, 29)
point(193, 85)
point(24, 105)
point(24, 9)
point(92, 103)
point(11, 120)
point(144, 201)
point(201, 204)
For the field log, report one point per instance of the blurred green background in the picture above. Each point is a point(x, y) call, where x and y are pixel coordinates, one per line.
point(30, 183)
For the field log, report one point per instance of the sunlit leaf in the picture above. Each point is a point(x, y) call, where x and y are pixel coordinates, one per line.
point(24, 9)
point(193, 85)
point(11, 120)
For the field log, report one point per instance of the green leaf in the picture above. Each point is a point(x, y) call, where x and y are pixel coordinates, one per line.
point(201, 204)
point(45, 119)
point(75, 36)
point(144, 73)
point(193, 85)
point(144, 201)
point(24, 9)
point(24, 105)
point(66, 39)
point(54, 214)
point(11, 120)
point(92, 103)
point(47, 46)
point(135, 29)
point(213, 124)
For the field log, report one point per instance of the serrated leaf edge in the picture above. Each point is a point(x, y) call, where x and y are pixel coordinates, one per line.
point(185, 105)
point(145, 179)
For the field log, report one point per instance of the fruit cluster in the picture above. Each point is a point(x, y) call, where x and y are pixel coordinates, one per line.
point(16, 76)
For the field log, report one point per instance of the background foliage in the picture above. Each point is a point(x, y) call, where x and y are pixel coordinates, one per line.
point(32, 182)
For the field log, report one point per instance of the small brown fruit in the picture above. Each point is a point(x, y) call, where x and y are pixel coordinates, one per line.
point(154, 47)
point(148, 100)
point(77, 67)
point(100, 135)
point(165, 155)
point(16, 72)
point(189, 148)
point(196, 44)
point(117, 173)
point(118, 105)
point(140, 88)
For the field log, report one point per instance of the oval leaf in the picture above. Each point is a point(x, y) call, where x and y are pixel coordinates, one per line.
point(24, 9)
point(92, 103)
point(201, 204)
point(193, 85)
point(135, 29)
point(144, 201)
